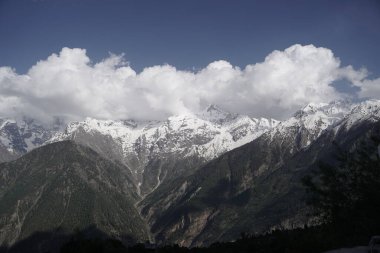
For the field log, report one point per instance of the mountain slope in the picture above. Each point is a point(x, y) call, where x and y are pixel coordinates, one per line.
point(67, 186)
point(256, 187)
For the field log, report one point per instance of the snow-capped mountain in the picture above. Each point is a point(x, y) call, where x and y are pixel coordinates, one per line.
point(207, 134)
point(143, 145)
point(257, 186)
point(196, 138)
point(181, 192)
point(23, 135)
point(311, 121)
point(368, 110)
point(155, 151)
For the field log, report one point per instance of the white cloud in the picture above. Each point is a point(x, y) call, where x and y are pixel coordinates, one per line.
point(369, 88)
point(70, 86)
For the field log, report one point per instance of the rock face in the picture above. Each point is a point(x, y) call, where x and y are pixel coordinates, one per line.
point(256, 187)
point(67, 186)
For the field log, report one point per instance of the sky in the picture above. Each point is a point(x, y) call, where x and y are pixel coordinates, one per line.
point(152, 59)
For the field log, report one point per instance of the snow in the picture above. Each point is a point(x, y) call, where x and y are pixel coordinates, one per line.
point(215, 114)
point(207, 134)
point(23, 134)
point(368, 110)
point(323, 115)
point(314, 118)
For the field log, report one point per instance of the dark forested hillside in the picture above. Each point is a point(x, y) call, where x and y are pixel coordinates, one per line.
point(66, 186)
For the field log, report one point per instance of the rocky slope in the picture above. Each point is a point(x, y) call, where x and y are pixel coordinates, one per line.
point(256, 187)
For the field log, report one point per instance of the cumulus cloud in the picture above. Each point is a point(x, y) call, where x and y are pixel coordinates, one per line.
point(369, 88)
point(70, 86)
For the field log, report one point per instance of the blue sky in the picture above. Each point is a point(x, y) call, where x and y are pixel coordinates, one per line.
point(187, 34)
point(261, 58)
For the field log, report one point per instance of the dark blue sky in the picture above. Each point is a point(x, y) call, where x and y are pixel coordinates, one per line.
point(187, 34)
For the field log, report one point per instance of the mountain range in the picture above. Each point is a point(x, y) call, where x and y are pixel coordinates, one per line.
point(151, 150)
point(192, 179)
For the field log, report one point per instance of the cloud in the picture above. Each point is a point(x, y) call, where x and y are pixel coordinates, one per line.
point(70, 86)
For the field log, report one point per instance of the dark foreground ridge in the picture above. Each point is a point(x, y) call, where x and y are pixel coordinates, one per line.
point(58, 240)
point(307, 239)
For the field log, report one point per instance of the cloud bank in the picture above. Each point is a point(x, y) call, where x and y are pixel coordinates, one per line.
point(69, 85)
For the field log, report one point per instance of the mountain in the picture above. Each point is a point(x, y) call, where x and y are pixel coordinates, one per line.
point(68, 187)
point(157, 151)
point(256, 187)
point(153, 151)
point(17, 137)
point(192, 179)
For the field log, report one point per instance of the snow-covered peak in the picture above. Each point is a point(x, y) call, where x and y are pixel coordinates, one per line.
point(366, 107)
point(215, 114)
point(22, 135)
point(209, 134)
point(368, 110)
point(312, 120)
point(214, 109)
point(333, 109)
point(313, 107)
point(339, 107)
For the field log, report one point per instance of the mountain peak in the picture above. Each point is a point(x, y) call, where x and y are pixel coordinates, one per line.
point(312, 107)
point(367, 106)
point(336, 108)
point(214, 108)
point(216, 114)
